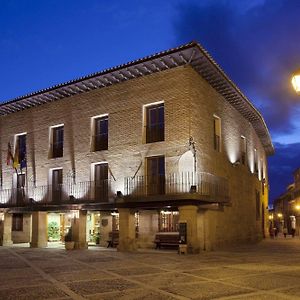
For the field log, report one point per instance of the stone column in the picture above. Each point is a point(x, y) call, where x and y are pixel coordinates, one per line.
point(39, 236)
point(6, 230)
point(79, 230)
point(188, 214)
point(127, 240)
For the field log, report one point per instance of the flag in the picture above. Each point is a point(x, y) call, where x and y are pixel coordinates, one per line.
point(10, 157)
point(16, 156)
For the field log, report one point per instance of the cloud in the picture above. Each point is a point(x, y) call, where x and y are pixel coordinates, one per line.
point(257, 45)
point(281, 168)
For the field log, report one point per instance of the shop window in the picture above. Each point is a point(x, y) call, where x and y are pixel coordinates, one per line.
point(217, 134)
point(168, 221)
point(17, 222)
point(155, 123)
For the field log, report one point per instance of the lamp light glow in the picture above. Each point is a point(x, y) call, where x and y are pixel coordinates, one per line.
point(296, 81)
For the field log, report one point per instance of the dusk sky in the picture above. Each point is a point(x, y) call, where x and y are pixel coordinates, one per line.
point(256, 42)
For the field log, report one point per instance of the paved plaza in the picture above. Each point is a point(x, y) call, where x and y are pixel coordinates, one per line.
point(269, 270)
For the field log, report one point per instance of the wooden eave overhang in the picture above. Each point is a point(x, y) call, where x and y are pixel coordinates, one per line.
point(189, 54)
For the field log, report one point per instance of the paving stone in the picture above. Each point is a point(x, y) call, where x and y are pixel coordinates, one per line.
point(136, 271)
point(222, 273)
point(81, 275)
point(30, 293)
point(205, 290)
point(100, 286)
point(165, 279)
point(265, 282)
point(139, 294)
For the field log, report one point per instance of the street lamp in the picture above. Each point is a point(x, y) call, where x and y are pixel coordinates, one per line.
point(296, 81)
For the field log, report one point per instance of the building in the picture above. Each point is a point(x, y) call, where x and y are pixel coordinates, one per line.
point(286, 211)
point(158, 143)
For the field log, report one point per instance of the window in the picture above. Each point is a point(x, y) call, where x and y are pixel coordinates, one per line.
point(257, 196)
point(17, 222)
point(57, 182)
point(20, 149)
point(155, 123)
point(217, 134)
point(100, 138)
point(243, 150)
point(168, 221)
point(255, 162)
point(155, 178)
point(101, 182)
point(57, 145)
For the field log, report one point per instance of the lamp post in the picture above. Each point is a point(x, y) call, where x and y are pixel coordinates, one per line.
point(296, 81)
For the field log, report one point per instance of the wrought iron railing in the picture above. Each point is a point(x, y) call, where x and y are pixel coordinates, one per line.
point(70, 193)
point(205, 184)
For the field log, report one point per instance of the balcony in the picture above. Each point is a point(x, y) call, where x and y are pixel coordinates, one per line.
point(200, 186)
point(79, 193)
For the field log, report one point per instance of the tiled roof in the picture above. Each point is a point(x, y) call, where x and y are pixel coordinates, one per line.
point(192, 53)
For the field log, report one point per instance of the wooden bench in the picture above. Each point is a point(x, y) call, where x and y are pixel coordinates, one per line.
point(113, 239)
point(166, 239)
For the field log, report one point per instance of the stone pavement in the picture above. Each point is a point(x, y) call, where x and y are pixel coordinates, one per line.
point(269, 270)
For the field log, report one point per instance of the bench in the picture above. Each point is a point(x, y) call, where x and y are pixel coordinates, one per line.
point(166, 239)
point(113, 239)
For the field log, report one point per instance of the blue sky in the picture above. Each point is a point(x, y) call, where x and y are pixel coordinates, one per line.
point(256, 42)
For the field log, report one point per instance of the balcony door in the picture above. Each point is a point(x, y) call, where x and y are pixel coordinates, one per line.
point(101, 182)
point(20, 189)
point(57, 180)
point(156, 175)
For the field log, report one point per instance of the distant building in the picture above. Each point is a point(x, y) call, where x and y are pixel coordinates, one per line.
point(287, 207)
point(161, 144)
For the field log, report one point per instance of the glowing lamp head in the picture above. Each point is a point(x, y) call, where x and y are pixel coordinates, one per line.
point(297, 207)
point(296, 81)
point(279, 215)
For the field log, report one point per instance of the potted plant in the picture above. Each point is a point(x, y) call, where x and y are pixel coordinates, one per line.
point(69, 243)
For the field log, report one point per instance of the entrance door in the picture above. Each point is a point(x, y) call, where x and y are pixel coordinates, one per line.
point(20, 189)
point(57, 180)
point(101, 182)
point(155, 175)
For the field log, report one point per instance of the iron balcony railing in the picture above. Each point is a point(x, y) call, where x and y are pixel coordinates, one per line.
point(81, 192)
point(209, 186)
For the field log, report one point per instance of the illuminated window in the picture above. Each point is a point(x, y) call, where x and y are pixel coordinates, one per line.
point(57, 141)
point(243, 150)
point(155, 123)
point(17, 222)
point(168, 221)
point(217, 133)
point(100, 130)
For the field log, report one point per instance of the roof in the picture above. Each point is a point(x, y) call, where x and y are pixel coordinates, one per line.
point(189, 54)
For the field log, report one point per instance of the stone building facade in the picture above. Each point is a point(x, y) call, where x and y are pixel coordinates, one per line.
point(286, 210)
point(139, 149)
